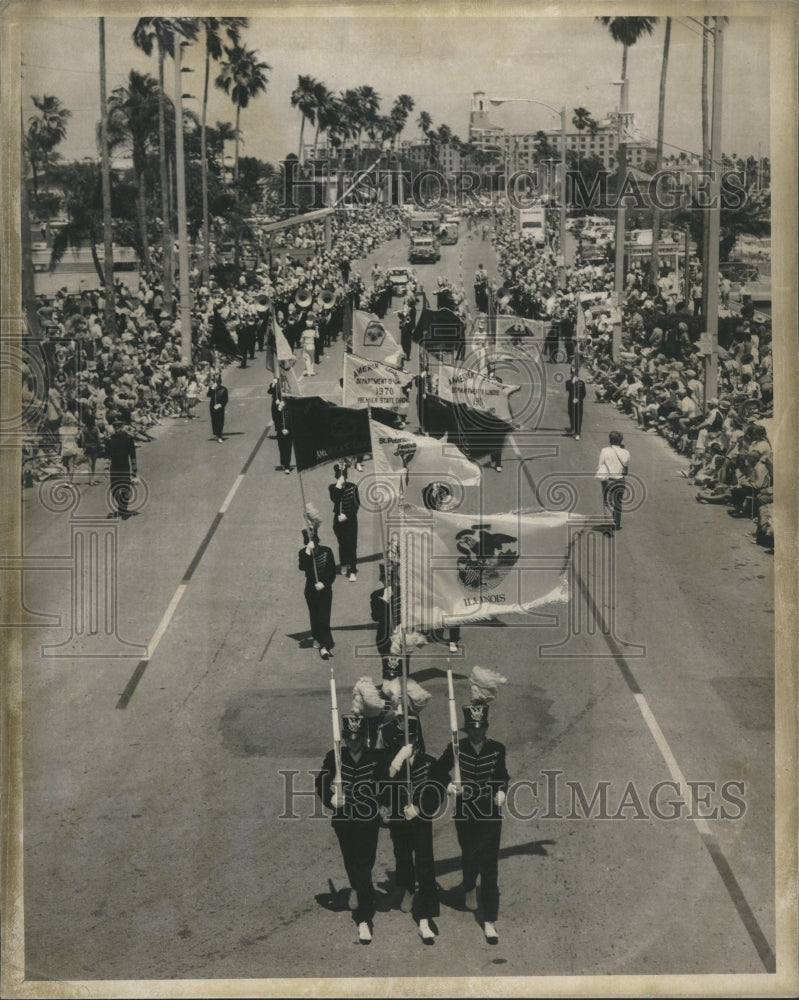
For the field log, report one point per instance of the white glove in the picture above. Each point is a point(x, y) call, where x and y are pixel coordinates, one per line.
point(499, 798)
point(342, 517)
point(340, 482)
point(402, 755)
point(217, 406)
point(319, 585)
point(309, 548)
point(281, 405)
point(410, 812)
point(386, 595)
point(337, 799)
point(454, 789)
point(285, 430)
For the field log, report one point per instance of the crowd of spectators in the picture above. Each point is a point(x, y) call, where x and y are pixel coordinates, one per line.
point(658, 375)
point(80, 378)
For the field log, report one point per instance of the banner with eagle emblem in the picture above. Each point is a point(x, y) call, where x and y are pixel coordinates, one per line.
point(457, 568)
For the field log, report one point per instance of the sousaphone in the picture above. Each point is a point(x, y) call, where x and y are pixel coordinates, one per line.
point(326, 299)
point(302, 299)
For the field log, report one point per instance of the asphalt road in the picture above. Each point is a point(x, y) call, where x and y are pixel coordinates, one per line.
point(154, 787)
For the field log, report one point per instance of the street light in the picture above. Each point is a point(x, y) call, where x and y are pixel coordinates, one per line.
point(562, 114)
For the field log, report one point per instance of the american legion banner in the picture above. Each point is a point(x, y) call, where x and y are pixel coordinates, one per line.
point(459, 568)
point(470, 388)
point(373, 383)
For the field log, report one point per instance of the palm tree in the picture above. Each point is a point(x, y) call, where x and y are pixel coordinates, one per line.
point(323, 100)
point(400, 110)
point(304, 97)
point(370, 106)
point(582, 120)
point(626, 31)
point(654, 261)
point(46, 131)
point(242, 77)
point(352, 117)
point(133, 125)
point(444, 136)
point(217, 31)
point(159, 33)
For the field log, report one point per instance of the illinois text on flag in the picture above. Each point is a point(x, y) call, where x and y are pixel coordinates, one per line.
point(467, 567)
point(462, 385)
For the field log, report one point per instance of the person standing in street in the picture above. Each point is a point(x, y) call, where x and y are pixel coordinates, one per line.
point(308, 340)
point(575, 387)
point(280, 420)
point(410, 824)
point(614, 463)
point(218, 398)
point(319, 565)
point(346, 503)
point(121, 453)
point(356, 813)
point(479, 797)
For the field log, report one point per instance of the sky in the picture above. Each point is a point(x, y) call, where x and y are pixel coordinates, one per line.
point(439, 61)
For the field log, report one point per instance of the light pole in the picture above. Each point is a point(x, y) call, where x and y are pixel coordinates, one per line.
point(562, 115)
point(183, 236)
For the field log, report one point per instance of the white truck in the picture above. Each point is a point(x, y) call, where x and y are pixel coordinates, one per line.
point(532, 222)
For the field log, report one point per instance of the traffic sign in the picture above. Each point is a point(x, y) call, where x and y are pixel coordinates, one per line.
point(705, 344)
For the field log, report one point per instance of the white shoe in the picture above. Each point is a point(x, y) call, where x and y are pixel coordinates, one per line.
point(317, 645)
point(490, 932)
point(353, 577)
point(499, 468)
point(426, 932)
point(576, 437)
point(343, 570)
point(470, 899)
point(325, 653)
point(453, 647)
point(364, 934)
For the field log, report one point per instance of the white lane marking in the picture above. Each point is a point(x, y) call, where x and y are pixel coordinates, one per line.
point(163, 625)
point(231, 494)
point(669, 758)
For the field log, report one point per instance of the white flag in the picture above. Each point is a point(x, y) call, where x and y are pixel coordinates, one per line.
point(373, 383)
point(462, 385)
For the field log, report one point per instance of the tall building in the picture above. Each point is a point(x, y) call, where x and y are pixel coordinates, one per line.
point(519, 147)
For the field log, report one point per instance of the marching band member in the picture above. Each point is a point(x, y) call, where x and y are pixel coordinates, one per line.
point(479, 797)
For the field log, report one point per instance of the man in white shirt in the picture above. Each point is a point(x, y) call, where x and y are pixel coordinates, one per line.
point(614, 462)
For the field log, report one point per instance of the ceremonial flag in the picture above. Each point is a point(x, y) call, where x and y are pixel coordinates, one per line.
point(470, 388)
point(221, 339)
point(458, 568)
point(371, 339)
point(289, 383)
point(372, 383)
point(440, 331)
point(517, 328)
point(416, 462)
point(323, 432)
point(282, 346)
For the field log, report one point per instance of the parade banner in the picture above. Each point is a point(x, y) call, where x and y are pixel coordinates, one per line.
point(459, 568)
point(470, 388)
point(322, 432)
point(371, 339)
point(517, 328)
point(372, 383)
point(289, 383)
point(221, 339)
point(474, 431)
point(401, 454)
point(440, 331)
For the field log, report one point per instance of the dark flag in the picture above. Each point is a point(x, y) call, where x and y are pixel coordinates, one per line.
point(220, 337)
point(474, 431)
point(440, 331)
point(323, 432)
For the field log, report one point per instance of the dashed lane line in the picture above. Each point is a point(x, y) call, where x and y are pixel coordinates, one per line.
point(163, 625)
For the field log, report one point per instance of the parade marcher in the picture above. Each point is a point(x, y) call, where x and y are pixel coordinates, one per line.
point(410, 824)
point(385, 608)
point(280, 420)
point(308, 340)
point(567, 333)
point(353, 797)
point(576, 389)
point(217, 401)
point(614, 462)
point(391, 731)
point(92, 445)
point(319, 565)
point(479, 797)
point(346, 503)
point(121, 453)
point(68, 434)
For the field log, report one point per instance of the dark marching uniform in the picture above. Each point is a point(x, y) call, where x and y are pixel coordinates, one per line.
point(478, 819)
point(576, 390)
point(319, 602)
point(357, 823)
point(347, 501)
point(387, 615)
point(218, 396)
point(280, 420)
point(412, 839)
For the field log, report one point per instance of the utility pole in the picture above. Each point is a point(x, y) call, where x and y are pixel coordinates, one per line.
point(562, 197)
point(714, 227)
point(621, 153)
point(108, 233)
point(183, 236)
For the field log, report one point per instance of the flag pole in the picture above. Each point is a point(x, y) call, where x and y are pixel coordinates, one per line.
point(405, 666)
point(308, 522)
point(453, 725)
point(336, 731)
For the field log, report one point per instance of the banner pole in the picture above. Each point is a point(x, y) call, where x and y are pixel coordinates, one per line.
point(337, 782)
point(308, 522)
